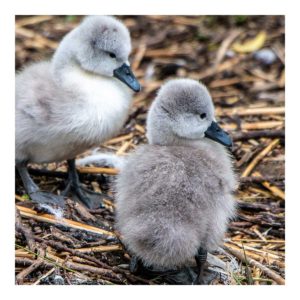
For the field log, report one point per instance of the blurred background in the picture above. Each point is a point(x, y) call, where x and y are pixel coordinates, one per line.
point(241, 60)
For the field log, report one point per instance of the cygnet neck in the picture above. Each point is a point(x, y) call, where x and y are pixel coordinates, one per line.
point(63, 58)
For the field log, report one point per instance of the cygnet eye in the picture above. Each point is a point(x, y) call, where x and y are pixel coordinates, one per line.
point(112, 55)
point(203, 116)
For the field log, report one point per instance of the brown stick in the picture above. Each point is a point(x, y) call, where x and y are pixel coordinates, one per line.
point(259, 179)
point(254, 126)
point(241, 136)
point(123, 148)
point(225, 45)
point(139, 56)
point(271, 274)
point(273, 189)
point(119, 139)
point(61, 247)
point(44, 276)
point(259, 157)
point(81, 267)
point(37, 37)
point(241, 111)
point(32, 20)
point(24, 229)
point(96, 170)
point(27, 212)
point(222, 67)
point(229, 81)
point(21, 276)
point(105, 248)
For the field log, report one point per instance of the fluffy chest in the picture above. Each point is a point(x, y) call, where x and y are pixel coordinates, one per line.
point(102, 105)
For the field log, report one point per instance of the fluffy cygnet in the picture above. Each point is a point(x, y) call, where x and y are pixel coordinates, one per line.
point(75, 101)
point(174, 196)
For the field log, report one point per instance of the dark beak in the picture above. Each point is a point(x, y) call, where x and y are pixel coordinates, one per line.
point(125, 74)
point(217, 134)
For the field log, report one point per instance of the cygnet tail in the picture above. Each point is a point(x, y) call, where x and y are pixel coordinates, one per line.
point(102, 159)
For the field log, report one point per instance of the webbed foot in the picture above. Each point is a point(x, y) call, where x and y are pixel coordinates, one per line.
point(91, 199)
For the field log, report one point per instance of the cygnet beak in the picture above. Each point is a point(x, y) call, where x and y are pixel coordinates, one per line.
point(125, 74)
point(217, 134)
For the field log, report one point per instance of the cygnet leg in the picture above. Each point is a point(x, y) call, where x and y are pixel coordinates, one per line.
point(200, 258)
point(135, 265)
point(89, 198)
point(33, 190)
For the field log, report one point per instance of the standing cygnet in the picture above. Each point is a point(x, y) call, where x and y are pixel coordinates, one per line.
point(75, 101)
point(174, 196)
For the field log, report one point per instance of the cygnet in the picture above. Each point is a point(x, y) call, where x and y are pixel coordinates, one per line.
point(75, 101)
point(175, 195)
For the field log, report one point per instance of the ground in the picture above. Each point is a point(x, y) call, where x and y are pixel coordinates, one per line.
point(247, 87)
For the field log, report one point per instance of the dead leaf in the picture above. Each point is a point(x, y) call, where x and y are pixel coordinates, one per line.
point(252, 44)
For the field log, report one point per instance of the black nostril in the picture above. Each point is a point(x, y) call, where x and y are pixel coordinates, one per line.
point(203, 116)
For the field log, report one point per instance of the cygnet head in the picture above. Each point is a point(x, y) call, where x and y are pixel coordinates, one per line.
point(100, 45)
point(183, 111)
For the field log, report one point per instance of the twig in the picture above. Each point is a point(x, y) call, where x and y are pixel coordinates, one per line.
point(139, 56)
point(26, 212)
point(226, 82)
point(24, 229)
point(32, 20)
point(44, 276)
point(119, 139)
point(222, 67)
point(271, 274)
point(61, 247)
point(21, 276)
point(259, 179)
point(241, 111)
point(96, 170)
point(44, 42)
point(241, 136)
point(106, 248)
point(225, 45)
point(123, 148)
point(273, 189)
point(254, 125)
point(259, 157)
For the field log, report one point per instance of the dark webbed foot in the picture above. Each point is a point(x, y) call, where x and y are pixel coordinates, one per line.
point(89, 198)
point(185, 276)
point(47, 198)
point(35, 194)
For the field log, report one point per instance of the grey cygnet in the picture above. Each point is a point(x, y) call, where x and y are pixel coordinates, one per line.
point(75, 101)
point(174, 195)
